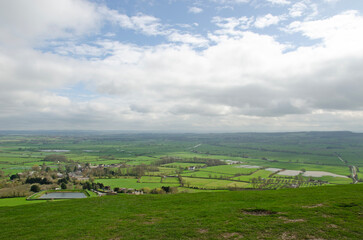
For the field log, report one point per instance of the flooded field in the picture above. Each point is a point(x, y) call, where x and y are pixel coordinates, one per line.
point(273, 169)
point(55, 150)
point(290, 172)
point(62, 195)
point(321, 174)
point(247, 166)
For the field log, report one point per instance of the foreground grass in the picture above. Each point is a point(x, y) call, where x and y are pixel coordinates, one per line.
point(333, 212)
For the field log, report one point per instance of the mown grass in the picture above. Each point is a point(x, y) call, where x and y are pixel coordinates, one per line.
point(309, 213)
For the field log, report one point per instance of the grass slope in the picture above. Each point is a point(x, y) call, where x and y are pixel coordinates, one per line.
point(333, 212)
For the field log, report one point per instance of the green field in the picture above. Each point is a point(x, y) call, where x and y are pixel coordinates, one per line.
point(173, 154)
point(333, 212)
point(132, 183)
point(212, 183)
point(8, 202)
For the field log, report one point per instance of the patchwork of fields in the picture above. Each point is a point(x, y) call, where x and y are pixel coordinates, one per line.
point(194, 161)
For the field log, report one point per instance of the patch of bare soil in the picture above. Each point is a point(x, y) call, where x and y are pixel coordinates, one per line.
point(287, 236)
point(258, 212)
point(151, 221)
point(314, 206)
point(332, 226)
point(203, 230)
point(232, 235)
point(286, 220)
point(314, 238)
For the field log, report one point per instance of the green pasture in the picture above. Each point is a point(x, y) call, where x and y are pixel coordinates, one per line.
point(132, 183)
point(205, 174)
point(342, 170)
point(334, 180)
point(8, 202)
point(229, 169)
point(260, 173)
point(212, 183)
point(183, 165)
point(331, 212)
point(149, 179)
point(163, 171)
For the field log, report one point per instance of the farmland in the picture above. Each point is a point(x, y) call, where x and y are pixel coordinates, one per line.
point(202, 162)
point(165, 182)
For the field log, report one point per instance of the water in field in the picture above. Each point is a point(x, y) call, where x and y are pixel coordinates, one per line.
point(62, 195)
point(55, 150)
point(321, 174)
point(247, 166)
point(273, 169)
point(290, 172)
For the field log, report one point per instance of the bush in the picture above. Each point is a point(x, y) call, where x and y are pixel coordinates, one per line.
point(35, 188)
point(146, 190)
point(55, 158)
point(14, 176)
point(63, 185)
point(158, 191)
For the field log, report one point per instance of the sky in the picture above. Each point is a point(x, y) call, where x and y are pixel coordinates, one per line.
point(181, 65)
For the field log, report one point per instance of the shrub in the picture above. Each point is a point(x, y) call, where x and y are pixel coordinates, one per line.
point(146, 190)
point(158, 191)
point(35, 188)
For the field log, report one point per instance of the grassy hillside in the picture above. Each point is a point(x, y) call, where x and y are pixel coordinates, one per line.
point(331, 212)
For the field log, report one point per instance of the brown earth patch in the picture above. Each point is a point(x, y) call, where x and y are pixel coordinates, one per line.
point(314, 238)
point(203, 230)
point(314, 206)
point(286, 220)
point(258, 212)
point(151, 221)
point(332, 226)
point(233, 235)
point(287, 236)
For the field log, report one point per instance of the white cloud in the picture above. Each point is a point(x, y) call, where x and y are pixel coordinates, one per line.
point(298, 9)
point(279, 2)
point(195, 10)
point(244, 80)
point(343, 31)
point(232, 25)
point(267, 20)
point(331, 1)
point(231, 1)
point(36, 20)
point(188, 39)
point(304, 8)
point(146, 24)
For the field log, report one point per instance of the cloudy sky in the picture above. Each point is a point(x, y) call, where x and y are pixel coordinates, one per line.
point(181, 65)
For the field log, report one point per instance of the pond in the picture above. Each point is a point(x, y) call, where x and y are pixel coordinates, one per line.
point(62, 195)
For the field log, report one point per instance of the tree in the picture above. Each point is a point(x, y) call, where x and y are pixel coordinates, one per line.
point(14, 176)
point(55, 158)
point(63, 185)
point(35, 188)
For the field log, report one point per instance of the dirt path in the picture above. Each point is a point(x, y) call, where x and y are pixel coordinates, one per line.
point(352, 168)
point(354, 174)
point(197, 145)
